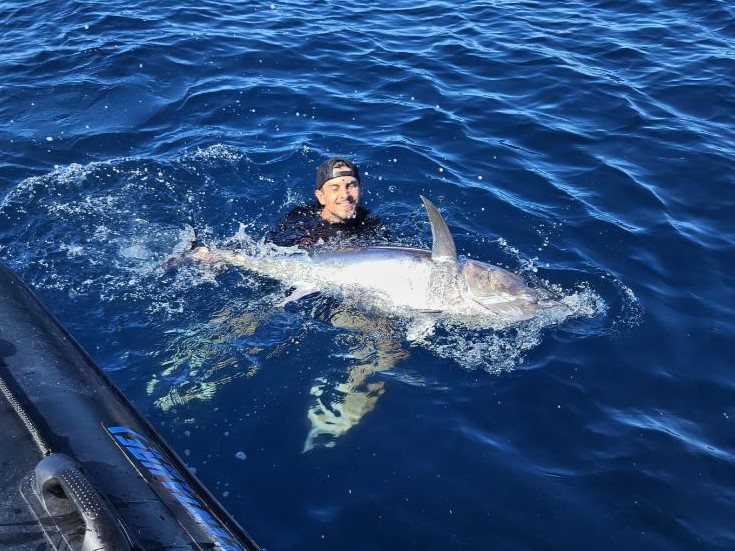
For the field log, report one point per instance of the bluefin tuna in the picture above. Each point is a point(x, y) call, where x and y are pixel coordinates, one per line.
point(402, 280)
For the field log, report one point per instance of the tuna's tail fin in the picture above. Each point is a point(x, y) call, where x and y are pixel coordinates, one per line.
point(195, 242)
point(184, 252)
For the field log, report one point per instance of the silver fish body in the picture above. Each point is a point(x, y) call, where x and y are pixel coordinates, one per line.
point(400, 279)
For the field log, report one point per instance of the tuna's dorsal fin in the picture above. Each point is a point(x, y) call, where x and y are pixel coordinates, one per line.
point(442, 249)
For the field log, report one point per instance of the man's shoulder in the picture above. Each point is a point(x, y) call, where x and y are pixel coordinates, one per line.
point(369, 226)
point(361, 213)
point(297, 223)
point(366, 217)
point(302, 211)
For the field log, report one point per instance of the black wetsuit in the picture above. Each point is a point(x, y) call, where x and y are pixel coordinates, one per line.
point(305, 228)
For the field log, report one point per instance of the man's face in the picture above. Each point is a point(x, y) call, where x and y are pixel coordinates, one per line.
point(339, 197)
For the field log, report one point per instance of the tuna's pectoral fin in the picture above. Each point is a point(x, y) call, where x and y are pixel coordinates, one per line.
point(442, 249)
point(297, 294)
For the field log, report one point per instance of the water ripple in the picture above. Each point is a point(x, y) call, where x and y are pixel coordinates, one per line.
point(587, 145)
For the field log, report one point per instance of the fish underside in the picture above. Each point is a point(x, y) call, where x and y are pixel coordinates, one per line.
point(406, 281)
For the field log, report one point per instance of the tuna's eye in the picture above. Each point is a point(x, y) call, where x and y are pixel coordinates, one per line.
point(531, 285)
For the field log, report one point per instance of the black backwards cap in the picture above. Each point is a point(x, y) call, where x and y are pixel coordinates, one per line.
point(327, 170)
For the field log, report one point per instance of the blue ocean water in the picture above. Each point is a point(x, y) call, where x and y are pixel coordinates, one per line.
point(586, 145)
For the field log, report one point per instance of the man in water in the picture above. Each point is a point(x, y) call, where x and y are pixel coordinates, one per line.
point(336, 217)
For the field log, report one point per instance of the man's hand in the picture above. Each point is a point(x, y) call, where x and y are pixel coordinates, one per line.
point(306, 242)
point(204, 255)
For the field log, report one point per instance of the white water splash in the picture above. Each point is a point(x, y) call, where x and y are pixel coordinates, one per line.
point(91, 236)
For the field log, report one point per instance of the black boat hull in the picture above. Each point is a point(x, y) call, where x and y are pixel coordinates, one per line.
point(73, 410)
